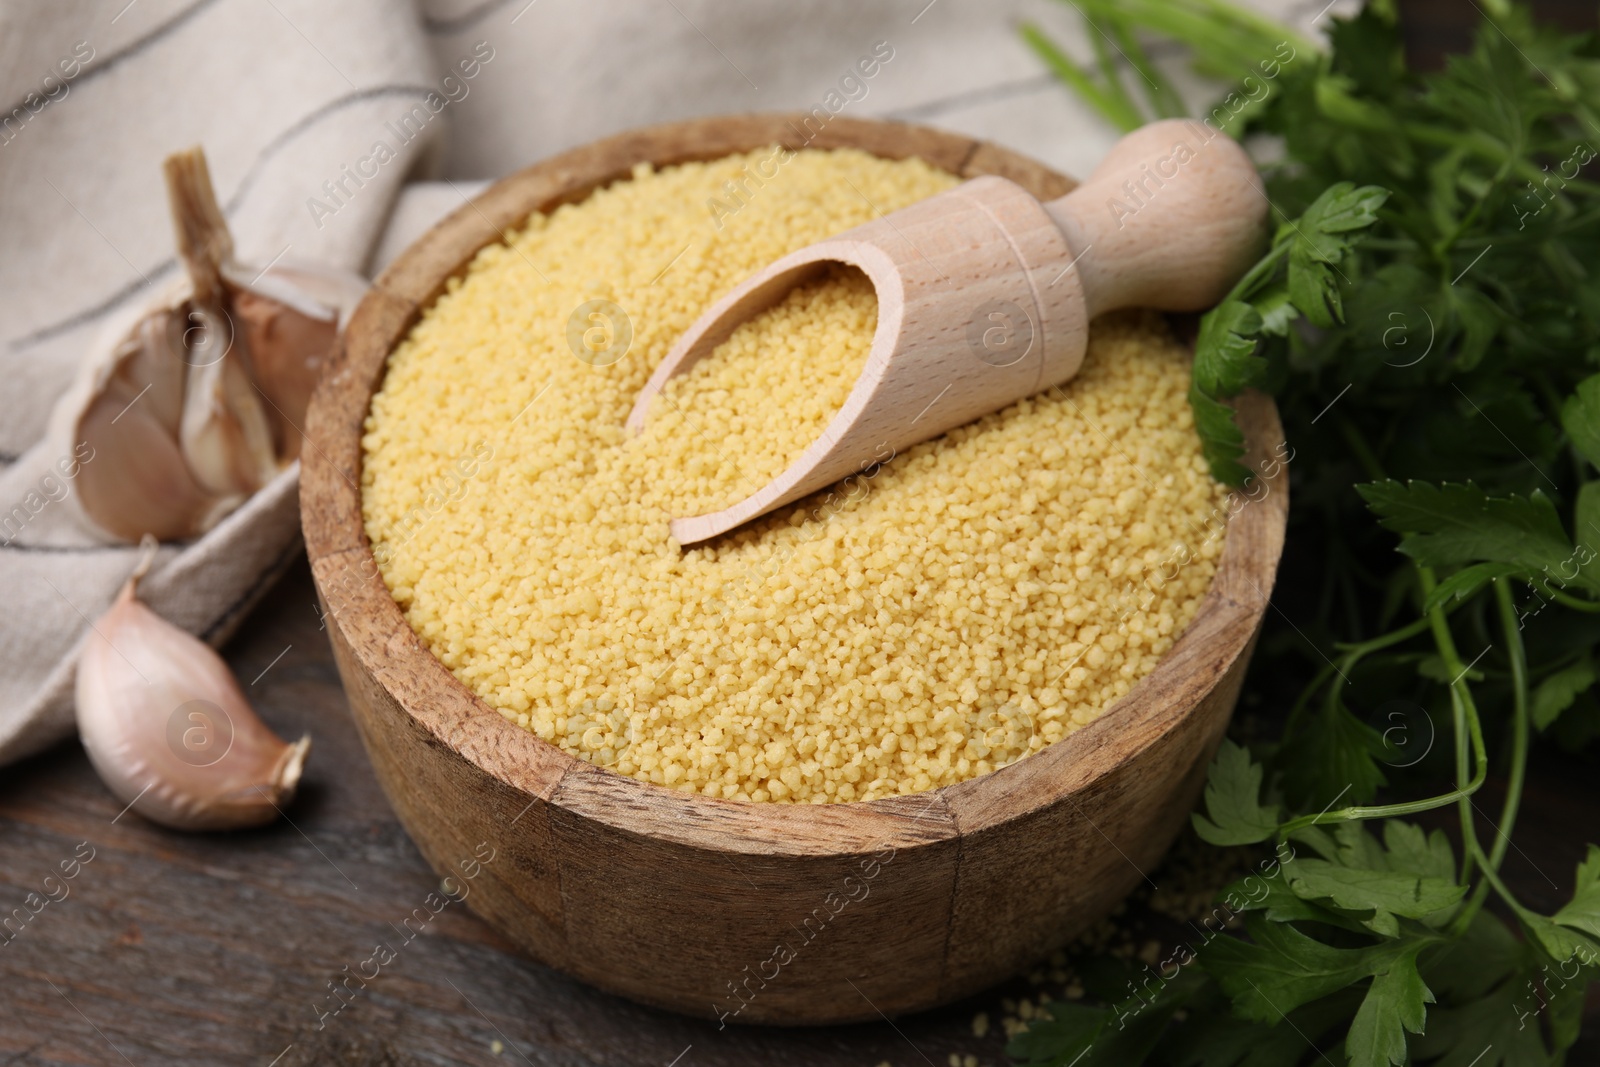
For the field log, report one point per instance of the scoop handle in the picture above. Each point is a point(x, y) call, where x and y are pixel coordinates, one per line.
point(1170, 219)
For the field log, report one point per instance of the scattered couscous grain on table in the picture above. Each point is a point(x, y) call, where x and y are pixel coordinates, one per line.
point(938, 616)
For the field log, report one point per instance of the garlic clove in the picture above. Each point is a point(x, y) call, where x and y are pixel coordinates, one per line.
point(169, 730)
point(224, 432)
point(287, 350)
point(121, 422)
point(290, 316)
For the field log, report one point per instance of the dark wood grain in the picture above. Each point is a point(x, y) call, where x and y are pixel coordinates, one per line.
point(217, 949)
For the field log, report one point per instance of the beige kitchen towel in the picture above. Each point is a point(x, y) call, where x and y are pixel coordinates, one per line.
point(290, 97)
point(283, 94)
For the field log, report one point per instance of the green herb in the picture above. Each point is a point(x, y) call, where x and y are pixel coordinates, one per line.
point(1427, 316)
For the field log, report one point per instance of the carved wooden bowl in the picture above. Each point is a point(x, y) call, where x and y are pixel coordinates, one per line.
point(770, 913)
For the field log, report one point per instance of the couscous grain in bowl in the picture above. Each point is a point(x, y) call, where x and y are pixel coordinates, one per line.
point(943, 614)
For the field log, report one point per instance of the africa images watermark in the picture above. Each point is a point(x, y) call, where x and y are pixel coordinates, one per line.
point(353, 177)
point(606, 727)
point(53, 88)
point(50, 489)
point(1248, 894)
point(852, 87)
point(1139, 193)
point(454, 890)
point(55, 889)
point(855, 888)
point(451, 486)
point(1582, 154)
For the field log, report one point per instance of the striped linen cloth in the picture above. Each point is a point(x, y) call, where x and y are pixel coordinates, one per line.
point(336, 132)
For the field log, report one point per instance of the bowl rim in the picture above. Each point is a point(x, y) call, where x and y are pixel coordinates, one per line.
point(452, 716)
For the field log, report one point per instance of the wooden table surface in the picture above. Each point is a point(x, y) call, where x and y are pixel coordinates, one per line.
point(220, 949)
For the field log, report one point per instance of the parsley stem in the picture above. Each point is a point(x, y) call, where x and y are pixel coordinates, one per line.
point(1383, 641)
point(1464, 716)
point(1164, 100)
point(1491, 878)
point(1467, 729)
point(1363, 453)
point(1503, 239)
point(1519, 755)
point(1381, 811)
point(1221, 36)
point(1061, 65)
point(1489, 149)
point(1441, 250)
point(1264, 266)
point(1110, 74)
point(1352, 654)
point(1518, 655)
point(1292, 720)
point(1568, 600)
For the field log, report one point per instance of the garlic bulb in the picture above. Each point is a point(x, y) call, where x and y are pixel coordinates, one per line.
point(196, 399)
point(168, 728)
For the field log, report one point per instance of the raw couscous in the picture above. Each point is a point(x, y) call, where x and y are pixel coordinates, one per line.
point(944, 613)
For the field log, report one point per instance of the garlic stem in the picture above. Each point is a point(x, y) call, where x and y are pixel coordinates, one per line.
point(204, 243)
point(168, 728)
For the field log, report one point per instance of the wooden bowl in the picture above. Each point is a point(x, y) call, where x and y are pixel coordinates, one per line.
point(770, 913)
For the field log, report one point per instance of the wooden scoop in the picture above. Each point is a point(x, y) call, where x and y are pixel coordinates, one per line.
point(985, 294)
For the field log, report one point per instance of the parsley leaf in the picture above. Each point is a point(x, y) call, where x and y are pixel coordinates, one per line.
point(1273, 898)
point(1586, 520)
point(1395, 1003)
point(1410, 848)
point(1281, 968)
point(1483, 957)
point(1497, 1030)
point(1221, 440)
point(1558, 691)
point(1388, 895)
point(1583, 911)
point(1322, 238)
point(1233, 804)
point(1468, 581)
point(1331, 761)
point(1077, 1035)
point(1065, 1037)
point(1452, 524)
point(1215, 1039)
point(1224, 365)
point(1411, 876)
point(1580, 417)
point(1224, 360)
point(1558, 940)
point(1276, 310)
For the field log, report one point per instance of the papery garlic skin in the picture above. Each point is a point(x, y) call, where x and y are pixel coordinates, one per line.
point(131, 404)
point(169, 730)
point(289, 318)
point(233, 350)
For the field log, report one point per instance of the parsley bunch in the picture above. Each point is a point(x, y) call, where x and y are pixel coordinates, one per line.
point(1426, 317)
